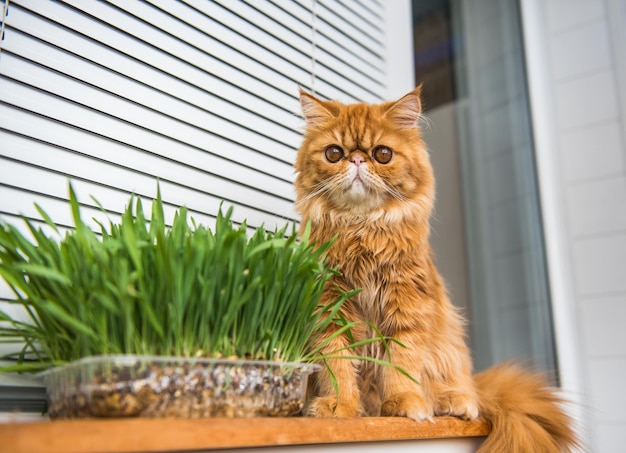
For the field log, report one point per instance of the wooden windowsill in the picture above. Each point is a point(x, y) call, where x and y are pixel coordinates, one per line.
point(165, 435)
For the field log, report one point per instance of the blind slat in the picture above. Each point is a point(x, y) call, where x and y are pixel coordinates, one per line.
point(325, 51)
point(239, 39)
point(193, 169)
point(348, 25)
point(327, 66)
point(219, 186)
point(355, 16)
point(368, 11)
point(183, 62)
point(51, 42)
point(325, 33)
point(148, 119)
point(50, 190)
point(190, 104)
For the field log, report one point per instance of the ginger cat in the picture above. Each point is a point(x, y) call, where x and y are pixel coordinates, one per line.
point(364, 175)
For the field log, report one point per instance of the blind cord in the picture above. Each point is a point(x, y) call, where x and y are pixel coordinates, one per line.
point(313, 43)
point(5, 13)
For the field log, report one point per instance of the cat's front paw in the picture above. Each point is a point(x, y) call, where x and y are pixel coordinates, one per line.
point(408, 404)
point(328, 406)
point(458, 404)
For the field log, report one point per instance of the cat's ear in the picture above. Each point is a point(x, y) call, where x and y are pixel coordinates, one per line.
point(406, 112)
point(314, 111)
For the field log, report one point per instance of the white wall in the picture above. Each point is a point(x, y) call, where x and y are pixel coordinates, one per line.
point(399, 51)
point(576, 60)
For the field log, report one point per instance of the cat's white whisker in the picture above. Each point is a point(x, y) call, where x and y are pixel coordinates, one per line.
point(327, 185)
point(384, 186)
point(394, 192)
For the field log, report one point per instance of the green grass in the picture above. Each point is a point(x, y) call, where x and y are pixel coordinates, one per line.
point(141, 287)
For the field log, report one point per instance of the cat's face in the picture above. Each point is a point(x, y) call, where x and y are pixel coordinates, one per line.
point(361, 159)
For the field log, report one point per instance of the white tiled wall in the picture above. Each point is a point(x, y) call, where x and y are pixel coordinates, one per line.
point(583, 159)
point(589, 216)
point(587, 79)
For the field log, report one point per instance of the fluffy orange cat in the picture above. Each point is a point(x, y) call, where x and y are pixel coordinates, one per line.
point(364, 175)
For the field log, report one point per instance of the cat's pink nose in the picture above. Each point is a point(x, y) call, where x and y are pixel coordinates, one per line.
point(357, 160)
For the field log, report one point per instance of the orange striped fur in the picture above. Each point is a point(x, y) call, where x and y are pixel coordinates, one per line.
point(380, 212)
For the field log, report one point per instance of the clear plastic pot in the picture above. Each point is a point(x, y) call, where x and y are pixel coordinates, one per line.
point(146, 386)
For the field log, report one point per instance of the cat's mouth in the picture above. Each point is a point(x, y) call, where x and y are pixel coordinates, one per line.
point(358, 186)
point(358, 191)
point(357, 181)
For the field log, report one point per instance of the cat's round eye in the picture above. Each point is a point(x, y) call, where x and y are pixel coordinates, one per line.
point(382, 154)
point(333, 154)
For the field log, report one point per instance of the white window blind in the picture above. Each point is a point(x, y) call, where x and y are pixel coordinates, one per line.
point(199, 95)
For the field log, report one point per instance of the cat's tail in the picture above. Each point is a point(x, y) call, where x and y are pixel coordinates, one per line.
point(525, 414)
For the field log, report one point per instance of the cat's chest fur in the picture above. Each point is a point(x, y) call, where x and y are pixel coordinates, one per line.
point(374, 250)
point(376, 257)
